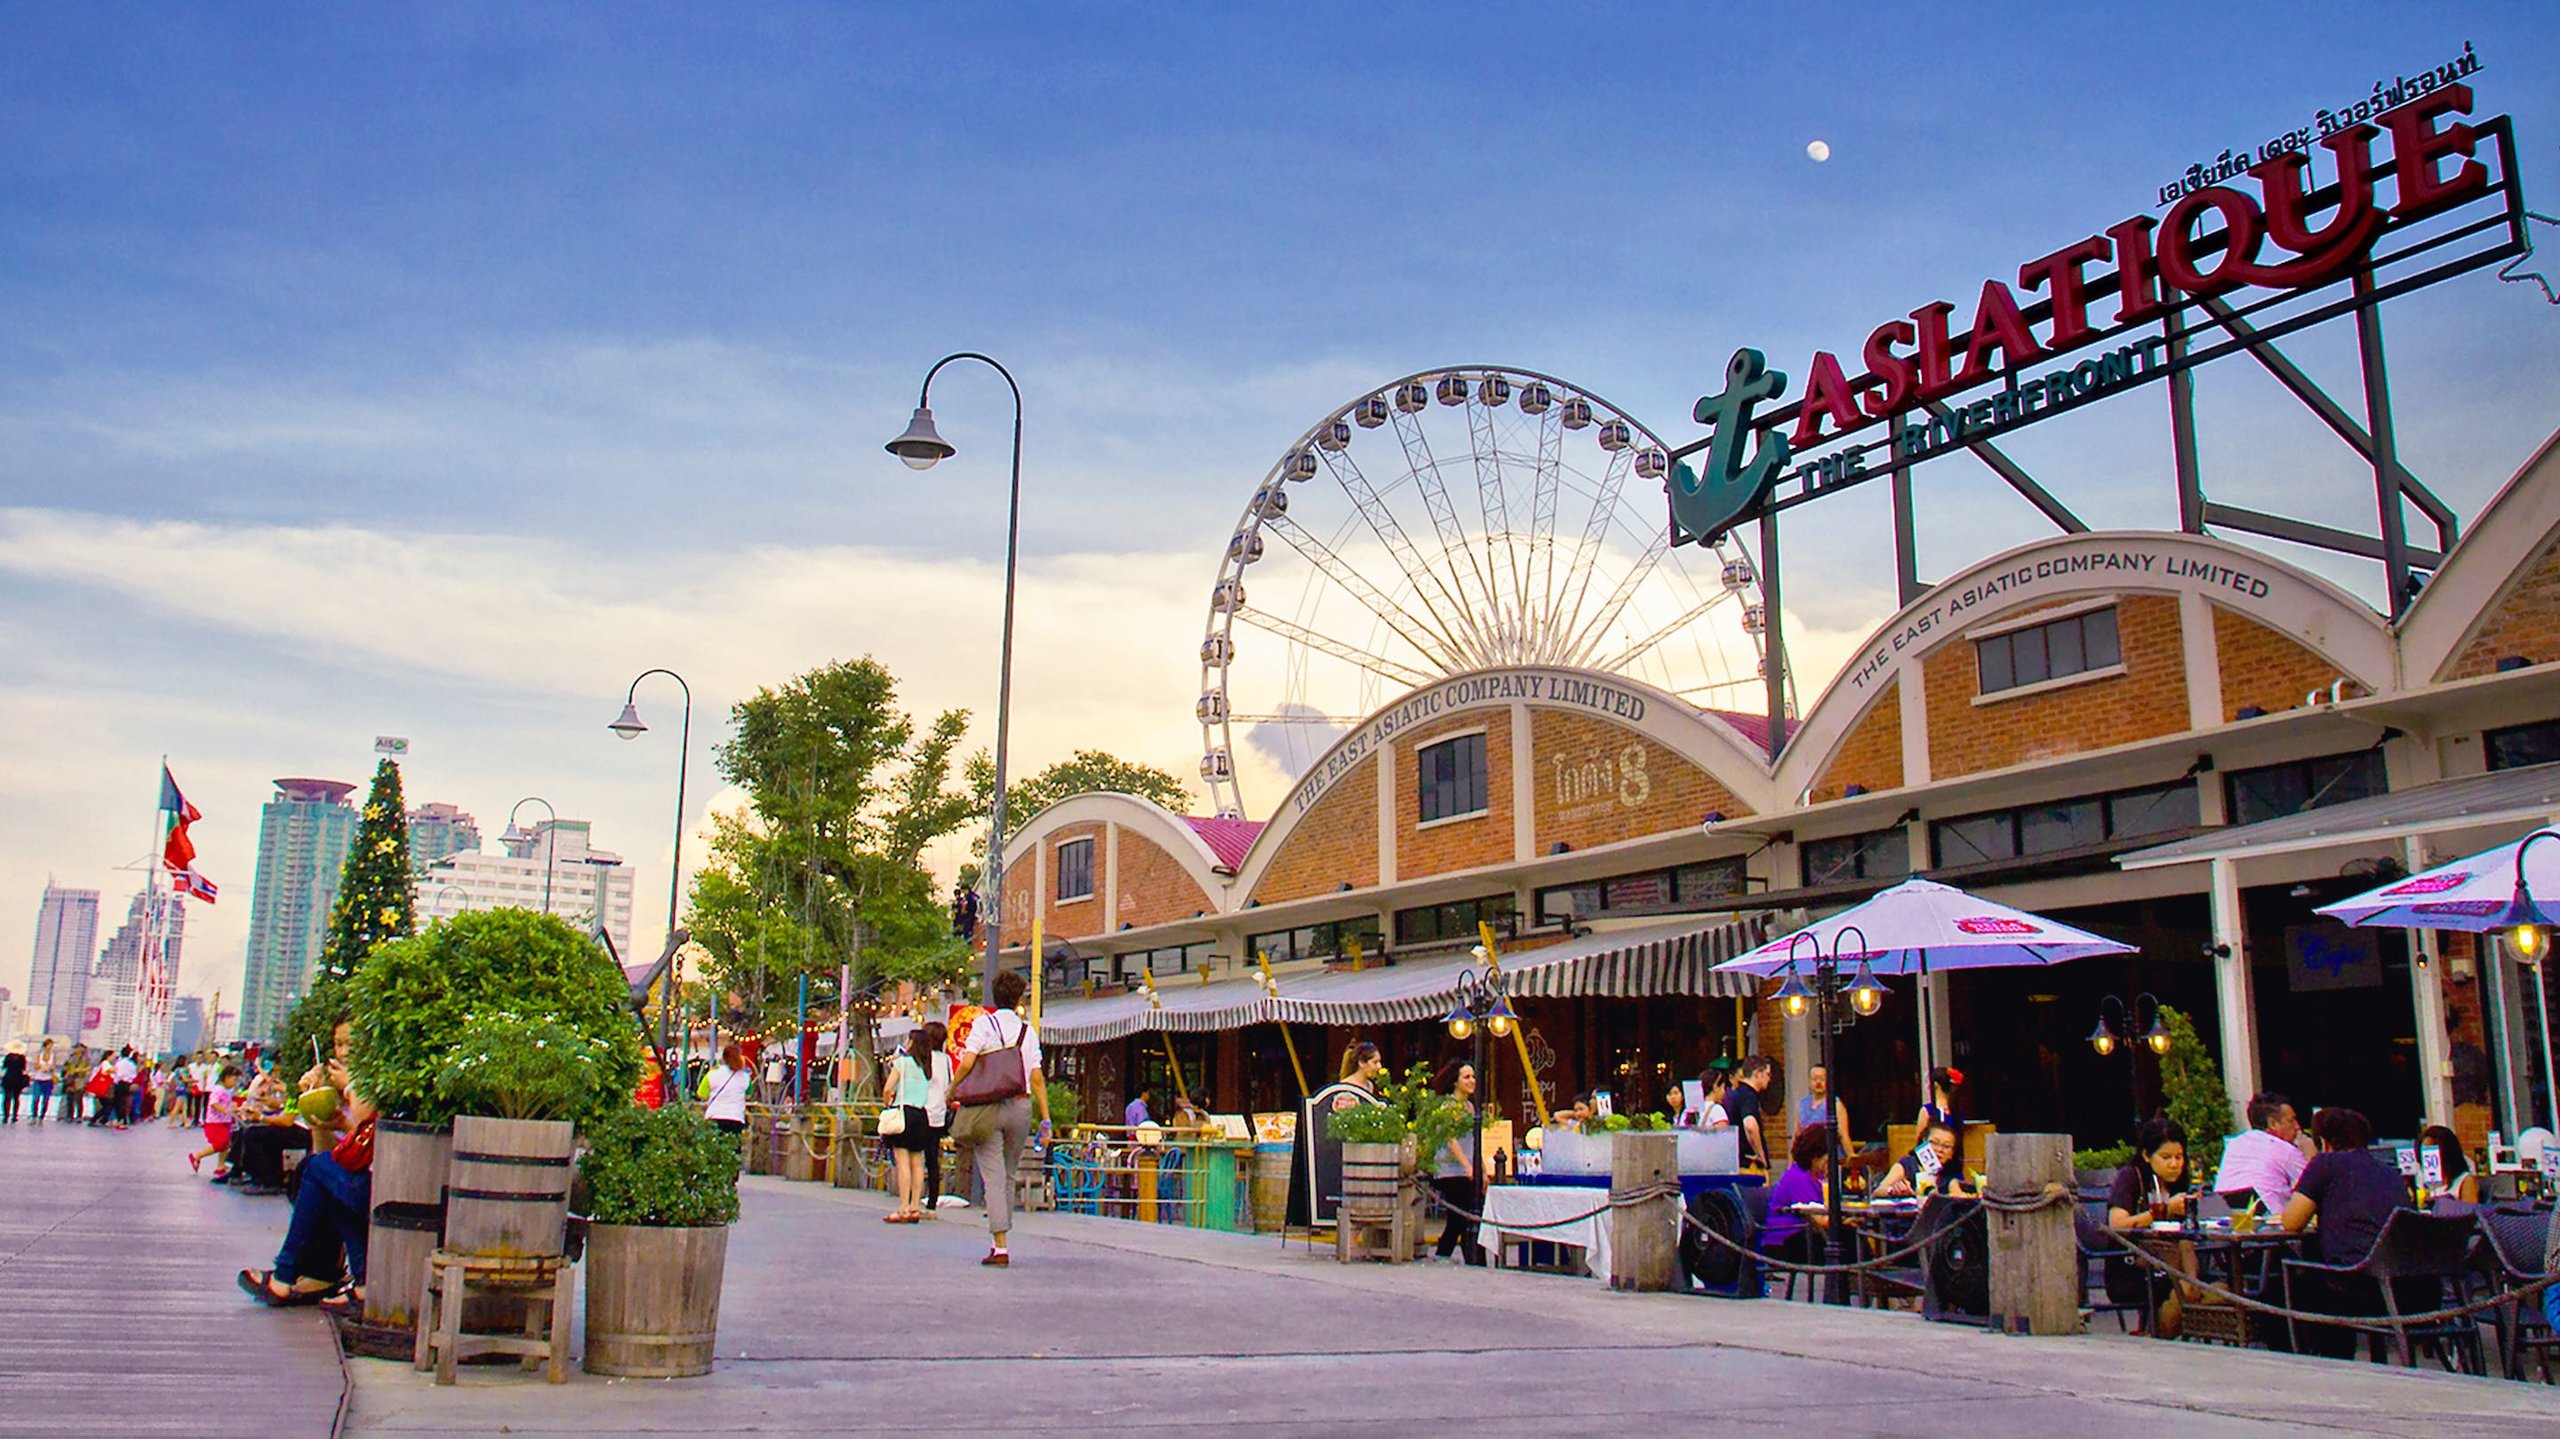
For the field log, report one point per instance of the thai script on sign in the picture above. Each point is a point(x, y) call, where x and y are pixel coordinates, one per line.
point(1622, 779)
point(2387, 96)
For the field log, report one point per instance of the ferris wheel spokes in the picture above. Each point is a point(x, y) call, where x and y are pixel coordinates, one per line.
point(1382, 522)
point(1549, 482)
point(1300, 634)
point(1496, 504)
point(1595, 631)
point(1431, 644)
point(1586, 554)
point(1425, 469)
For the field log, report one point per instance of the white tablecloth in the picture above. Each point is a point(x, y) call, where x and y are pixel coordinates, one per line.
point(1511, 1204)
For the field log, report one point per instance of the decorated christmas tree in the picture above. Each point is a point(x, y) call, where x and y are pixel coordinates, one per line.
point(375, 902)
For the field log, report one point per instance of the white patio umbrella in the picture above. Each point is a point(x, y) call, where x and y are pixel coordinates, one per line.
point(1922, 927)
point(2515, 887)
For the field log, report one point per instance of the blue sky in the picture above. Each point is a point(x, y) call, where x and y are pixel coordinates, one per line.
point(433, 370)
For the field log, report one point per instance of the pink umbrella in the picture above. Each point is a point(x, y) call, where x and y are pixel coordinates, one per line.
point(1920, 926)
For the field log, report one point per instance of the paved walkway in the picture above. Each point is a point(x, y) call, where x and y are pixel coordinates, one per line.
point(836, 1323)
point(118, 1315)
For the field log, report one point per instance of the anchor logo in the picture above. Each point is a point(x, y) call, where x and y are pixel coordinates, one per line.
point(1706, 502)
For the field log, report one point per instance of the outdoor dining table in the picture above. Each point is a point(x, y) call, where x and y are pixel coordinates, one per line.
point(1509, 1207)
point(2217, 1244)
point(1876, 1226)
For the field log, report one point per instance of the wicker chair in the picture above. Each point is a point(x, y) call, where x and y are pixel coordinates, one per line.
point(2513, 1239)
point(2413, 1246)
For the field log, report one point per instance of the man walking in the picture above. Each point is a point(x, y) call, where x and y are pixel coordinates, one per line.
point(1745, 1103)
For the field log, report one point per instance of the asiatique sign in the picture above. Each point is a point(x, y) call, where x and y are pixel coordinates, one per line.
point(2282, 230)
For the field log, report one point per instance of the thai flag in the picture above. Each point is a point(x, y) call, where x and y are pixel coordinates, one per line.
point(195, 885)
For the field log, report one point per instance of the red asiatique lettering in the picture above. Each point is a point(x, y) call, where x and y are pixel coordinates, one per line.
point(2213, 240)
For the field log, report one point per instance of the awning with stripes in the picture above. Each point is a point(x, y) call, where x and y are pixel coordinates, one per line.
point(1669, 957)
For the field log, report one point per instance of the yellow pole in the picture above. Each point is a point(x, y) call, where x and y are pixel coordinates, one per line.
point(1271, 987)
point(1519, 1033)
point(1036, 967)
point(1179, 1088)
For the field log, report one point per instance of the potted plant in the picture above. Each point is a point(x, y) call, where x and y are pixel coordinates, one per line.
point(1383, 1145)
point(408, 1001)
point(659, 1188)
point(518, 1087)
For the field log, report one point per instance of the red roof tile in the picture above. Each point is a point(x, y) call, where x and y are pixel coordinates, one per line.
point(1754, 727)
point(1228, 839)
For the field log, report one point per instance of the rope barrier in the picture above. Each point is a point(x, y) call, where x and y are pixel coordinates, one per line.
point(2375, 1324)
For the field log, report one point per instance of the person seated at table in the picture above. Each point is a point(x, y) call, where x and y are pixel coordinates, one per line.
point(1577, 1115)
point(2267, 1158)
point(264, 1132)
point(2153, 1187)
point(2459, 1182)
point(2352, 1194)
point(1930, 1168)
point(1788, 1235)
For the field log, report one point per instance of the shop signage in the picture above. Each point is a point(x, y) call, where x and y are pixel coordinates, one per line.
point(2271, 226)
point(2167, 562)
point(2330, 955)
point(1555, 689)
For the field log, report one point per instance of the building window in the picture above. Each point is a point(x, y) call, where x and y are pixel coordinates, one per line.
point(1319, 941)
point(2523, 745)
point(1441, 923)
point(1173, 959)
point(2060, 826)
point(1075, 869)
point(1659, 891)
point(2276, 790)
point(1843, 859)
point(2054, 650)
point(1452, 777)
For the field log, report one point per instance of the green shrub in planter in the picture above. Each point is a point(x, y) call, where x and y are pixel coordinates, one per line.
point(506, 1066)
point(659, 1167)
point(411, 998)
point(1406, 1108)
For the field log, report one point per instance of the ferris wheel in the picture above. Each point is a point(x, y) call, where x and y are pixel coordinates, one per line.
point(1457, 520)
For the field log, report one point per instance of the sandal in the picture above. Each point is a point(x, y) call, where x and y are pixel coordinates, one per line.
point(195, 1162)
point(345, 1299)
point(260, 1284)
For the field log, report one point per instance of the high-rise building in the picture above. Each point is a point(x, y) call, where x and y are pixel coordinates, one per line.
point(118, 987)
point(66, 950)
point(9, 1017)
point(303, 835)
point(437, 830)
point(587, 886)
point(187, 1031)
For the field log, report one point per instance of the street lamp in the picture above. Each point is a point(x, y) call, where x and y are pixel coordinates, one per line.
point(1865, 995)
point(516, 834)
point(436, 900)
point(921, 448)
point(628, 726)
point(1481, 1007)
point(2529, 935)
point(2121, 1023)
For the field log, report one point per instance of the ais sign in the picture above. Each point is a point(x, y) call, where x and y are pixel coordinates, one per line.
point(2274, 228)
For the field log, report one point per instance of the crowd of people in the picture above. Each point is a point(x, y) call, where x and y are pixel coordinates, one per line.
point(110, 1089)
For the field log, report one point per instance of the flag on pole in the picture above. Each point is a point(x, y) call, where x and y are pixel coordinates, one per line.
point(179, 854)
point(194, 885)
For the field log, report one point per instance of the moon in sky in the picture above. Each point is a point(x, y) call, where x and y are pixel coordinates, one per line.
point(1820, 150)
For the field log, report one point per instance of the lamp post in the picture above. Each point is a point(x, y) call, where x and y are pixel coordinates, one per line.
point(1865, 995)
point(628, 725)
point(922, 447)
point(550, 837)
point(2528, 934)
point(436, 899)
point(1482, 1006)
point(2120, 1022)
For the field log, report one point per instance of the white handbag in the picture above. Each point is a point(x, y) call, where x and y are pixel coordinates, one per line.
point(893, 1121)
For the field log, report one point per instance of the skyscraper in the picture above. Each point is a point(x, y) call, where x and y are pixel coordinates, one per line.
point(117, 985)
point(189, 1030)
point(303, 834)
point(437, 830)
point(66, 950)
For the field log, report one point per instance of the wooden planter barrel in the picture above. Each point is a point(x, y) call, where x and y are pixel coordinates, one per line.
point(508, 1192)
point(410, 1163)
point(1270, 1187)
point(653, 1299)
point(1372, 1181)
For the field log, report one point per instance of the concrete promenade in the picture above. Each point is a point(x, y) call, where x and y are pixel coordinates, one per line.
point(836, 1323)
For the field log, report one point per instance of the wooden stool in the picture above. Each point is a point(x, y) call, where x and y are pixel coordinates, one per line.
point(542, 1287)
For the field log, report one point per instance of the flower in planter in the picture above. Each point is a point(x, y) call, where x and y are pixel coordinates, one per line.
point(510, 1067)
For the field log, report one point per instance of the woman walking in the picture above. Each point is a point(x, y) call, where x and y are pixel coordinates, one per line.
point(903, 1091)
point(724, 1090)
point(997, 1085)
point(13, 1082)
point(937, 1112)
point(40, 1078)
point(1453, 1172)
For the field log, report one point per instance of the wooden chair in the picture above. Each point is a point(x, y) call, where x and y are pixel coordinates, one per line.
point(541, 1288)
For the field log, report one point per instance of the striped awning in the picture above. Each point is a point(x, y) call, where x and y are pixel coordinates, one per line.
point(1643, 963)
point(1668, 957)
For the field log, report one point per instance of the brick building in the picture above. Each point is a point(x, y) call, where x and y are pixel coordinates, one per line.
point(2165, 737)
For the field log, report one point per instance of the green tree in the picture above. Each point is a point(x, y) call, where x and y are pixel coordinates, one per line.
point(845, 794)
point(375, 901)
point(1091, 771)
point(2191, 1088)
